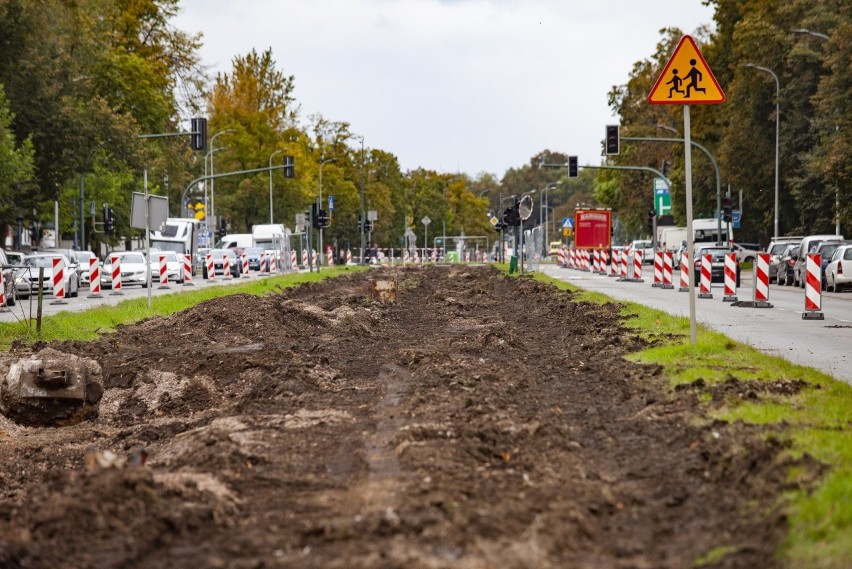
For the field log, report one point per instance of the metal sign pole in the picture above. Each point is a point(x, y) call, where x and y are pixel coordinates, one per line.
point(147, 239)
point(693, 336)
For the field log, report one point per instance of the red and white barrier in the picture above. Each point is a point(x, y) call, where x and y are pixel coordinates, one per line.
point(667, 270)
point(405, 256)
point(304, 258)
point(730, 278)
point(226, 267)
point(58, 278)
point(616, 262)
point(706, 277)
point(596, 261)
point(813, 289)
point(187, 270)
point(761, 278)
point(329, 257)
point(349, 257)
point(163, 271)
point(94, 278)
point(273, 261)
point(637, 266)
point(2, 299)
point(658, 269)
point(211, 267)
point(624, 260)
point(560, 257)
point(115, 270)
point(245, 264)
point(684, 272)
point(605, 265)
point(294, 260)
point(587, 260)
point(570, 258)
point(434, 255)
point(263, 263)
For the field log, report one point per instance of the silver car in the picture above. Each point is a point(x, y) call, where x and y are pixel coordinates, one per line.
point(27, 279)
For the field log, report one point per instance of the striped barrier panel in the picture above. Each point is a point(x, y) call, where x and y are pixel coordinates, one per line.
point(813, 289)
point(211, 268)
point(187, 270)
point(730, 278)
point(115, 274)
point(58, 279)
point(667, 270)
point(658, 269)
point(94, 278)
point(706, 277)
point(245, 264)
point(163, 272)
point(684, 272)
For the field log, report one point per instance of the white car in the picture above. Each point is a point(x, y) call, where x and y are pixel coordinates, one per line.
point(174, 267)
point(26, 280)
point(838, 273)
point(133, 269)
point(647, 248)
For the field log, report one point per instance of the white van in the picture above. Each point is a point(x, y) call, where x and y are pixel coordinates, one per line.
point(232, 240)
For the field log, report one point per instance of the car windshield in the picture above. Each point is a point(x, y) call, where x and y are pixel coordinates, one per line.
point(217, 253)
point(170, 256)
point(253, 250)
point(129, 258)
point(39, 261)
point(713, 251)
point(779, 248)
point(828, 250)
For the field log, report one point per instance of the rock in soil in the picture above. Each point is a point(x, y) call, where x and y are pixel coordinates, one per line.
point(478, 421)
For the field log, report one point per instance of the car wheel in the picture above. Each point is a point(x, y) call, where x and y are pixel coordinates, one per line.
point(10, 300)
point(829, 287)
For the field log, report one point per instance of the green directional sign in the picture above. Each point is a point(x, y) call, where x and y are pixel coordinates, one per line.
point(662, 197)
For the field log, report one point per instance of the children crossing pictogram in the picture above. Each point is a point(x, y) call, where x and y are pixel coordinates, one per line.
point(686, 79)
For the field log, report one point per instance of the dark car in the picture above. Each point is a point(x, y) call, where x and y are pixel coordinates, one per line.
point(253, 254)
point(717, 264)
point(219, 262)
point(787, 264)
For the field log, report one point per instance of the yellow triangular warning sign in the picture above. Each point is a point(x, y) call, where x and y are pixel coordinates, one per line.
point(686, 79)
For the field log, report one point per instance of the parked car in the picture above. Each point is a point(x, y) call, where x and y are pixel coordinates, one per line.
point(786, 264)
point(26, 279)
point(218, 263)
point(133, 269)
point(838, 273)
point(174, 267)
point(9, 288)
point(83, 261)
point(777, 248)
point(15, 257)
point(253, 254)
point(746, 252)
point(717, 264)
point(809, 245)
point(825, 250)
point(647, 248)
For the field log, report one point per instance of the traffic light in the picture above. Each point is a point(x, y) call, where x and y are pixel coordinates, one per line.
point(515, 215)
point(108, 219)
point(199, 134)
point(315, 216)
point(572, 166)
point(507, 217)
point(223, 227)
point(666, 167)
point(612, 139)
point(651, 215)
point(322, 219)
point(727, 214)
point(289, 167)
point(368, 226)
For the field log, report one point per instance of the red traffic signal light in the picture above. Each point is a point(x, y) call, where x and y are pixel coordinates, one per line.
point(572, 167)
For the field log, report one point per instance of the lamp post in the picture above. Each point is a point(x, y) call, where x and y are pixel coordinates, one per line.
point(270, 181)
point(363, 216)
point(544, 206)
point(837, 187)
point(212, 194)
point(777, 132)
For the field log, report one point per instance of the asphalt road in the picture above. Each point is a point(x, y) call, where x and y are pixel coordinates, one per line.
point(822, 344)
point(25, 309)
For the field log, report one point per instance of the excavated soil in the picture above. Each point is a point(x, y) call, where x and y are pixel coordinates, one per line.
point(479, 421)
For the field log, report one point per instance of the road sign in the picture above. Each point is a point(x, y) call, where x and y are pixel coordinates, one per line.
point(662, 197)
point(372, 215)
point(426, 220)
point(567, 223)
point(686, 79)
point(330, 203)
point(493, 220)
point(736, 216)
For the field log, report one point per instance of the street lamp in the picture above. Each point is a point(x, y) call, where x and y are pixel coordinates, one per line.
point(270, 181)
point(544, 207)
point(212, 194)
point(777, 131)
point(837, 187)
point(363, 216)
point(667, 127)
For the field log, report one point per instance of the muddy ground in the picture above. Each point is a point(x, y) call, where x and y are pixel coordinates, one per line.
point(479, 421)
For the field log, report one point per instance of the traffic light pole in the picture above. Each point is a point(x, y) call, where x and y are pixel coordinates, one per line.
point(226, 175)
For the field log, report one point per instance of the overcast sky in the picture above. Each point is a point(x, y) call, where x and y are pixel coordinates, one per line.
point(450, 85)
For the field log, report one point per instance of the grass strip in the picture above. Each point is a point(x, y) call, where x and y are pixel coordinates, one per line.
point(90, 323)
point(815, 419)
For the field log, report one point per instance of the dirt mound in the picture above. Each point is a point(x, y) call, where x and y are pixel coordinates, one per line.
point(480, 421)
